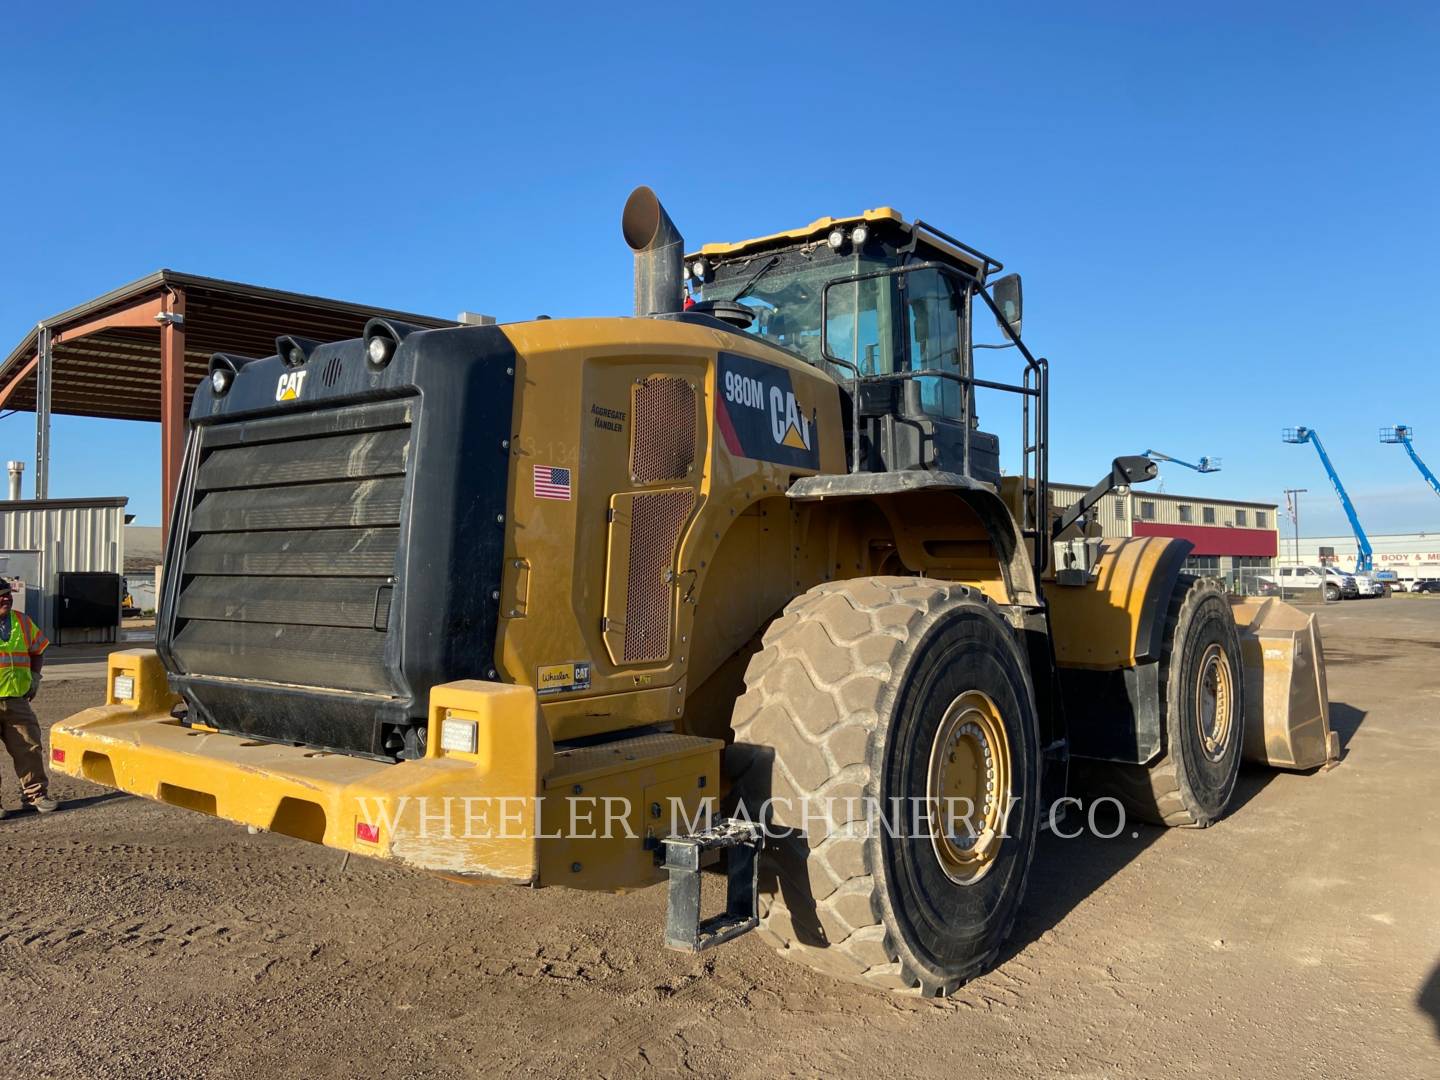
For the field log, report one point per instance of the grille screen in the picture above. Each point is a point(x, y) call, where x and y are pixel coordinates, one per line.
point(662, 436)
point(290, 549)
point(655, 523)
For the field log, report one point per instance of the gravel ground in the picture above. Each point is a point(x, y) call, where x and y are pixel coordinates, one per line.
point(1299, 937)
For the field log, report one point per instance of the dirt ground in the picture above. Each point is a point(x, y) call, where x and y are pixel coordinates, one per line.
point(1299, 937)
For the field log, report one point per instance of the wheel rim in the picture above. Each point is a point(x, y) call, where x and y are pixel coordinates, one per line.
point(1215, 702)
point(970, 770)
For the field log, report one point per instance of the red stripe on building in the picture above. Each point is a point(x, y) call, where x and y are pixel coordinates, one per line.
point(1215, 539)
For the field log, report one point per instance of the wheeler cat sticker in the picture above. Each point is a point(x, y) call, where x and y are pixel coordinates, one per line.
point(758, 416)
point(563, 678)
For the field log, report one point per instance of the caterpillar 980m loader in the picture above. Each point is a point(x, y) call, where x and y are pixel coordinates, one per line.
point(518, 603)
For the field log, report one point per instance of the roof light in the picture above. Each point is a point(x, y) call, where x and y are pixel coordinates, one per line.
point(698, 269)
point(836, 239)
point(379, 349)
point(860, 234)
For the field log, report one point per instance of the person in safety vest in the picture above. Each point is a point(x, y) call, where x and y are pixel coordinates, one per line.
point(22, 651)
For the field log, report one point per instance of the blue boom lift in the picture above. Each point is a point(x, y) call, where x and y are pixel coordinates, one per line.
point(1365, 560)
point(1207, 464)
point(1402, 434)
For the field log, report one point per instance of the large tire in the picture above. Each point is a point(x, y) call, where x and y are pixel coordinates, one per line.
point(857, 693)
point(1191, 783)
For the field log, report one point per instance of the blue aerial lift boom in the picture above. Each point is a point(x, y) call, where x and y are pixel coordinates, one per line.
point(1365, 560)
point(1207, 464)
point(1402, 434)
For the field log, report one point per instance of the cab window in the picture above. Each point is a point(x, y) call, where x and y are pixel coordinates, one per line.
point(934, 303)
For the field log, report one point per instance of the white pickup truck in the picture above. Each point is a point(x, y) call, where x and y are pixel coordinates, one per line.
point(1288, 580)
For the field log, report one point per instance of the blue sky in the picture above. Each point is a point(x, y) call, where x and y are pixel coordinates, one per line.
point(1226, 215)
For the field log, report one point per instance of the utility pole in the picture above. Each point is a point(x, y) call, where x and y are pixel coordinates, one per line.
point(1292, 504)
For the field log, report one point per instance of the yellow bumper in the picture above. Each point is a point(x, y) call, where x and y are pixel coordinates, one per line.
point(501, 805)
point(471, 813)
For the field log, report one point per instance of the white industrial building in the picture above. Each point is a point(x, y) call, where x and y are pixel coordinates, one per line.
point(1413, 556)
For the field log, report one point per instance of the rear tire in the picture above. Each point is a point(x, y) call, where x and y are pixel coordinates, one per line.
point(1202, 709)
point(863, 689)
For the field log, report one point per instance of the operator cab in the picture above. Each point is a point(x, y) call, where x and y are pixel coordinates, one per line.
point(876, 301)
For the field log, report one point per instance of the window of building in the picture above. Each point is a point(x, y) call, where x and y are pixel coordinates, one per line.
point(1203, 562)
point(1262, 519)
point(1207, 515)
point(1239, 517)
point(1147, 510)
point(1187, 514)
point(1119, 510)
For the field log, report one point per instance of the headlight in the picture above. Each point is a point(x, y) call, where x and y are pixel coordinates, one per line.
point(220, 380)
point(698, 269)
point(836, 239)
point(859, 235)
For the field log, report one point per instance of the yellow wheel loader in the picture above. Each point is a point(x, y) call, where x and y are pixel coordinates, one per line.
point(739, 580)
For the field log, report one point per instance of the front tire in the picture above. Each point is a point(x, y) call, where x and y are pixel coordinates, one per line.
point(881, 689)
point(1202, 709)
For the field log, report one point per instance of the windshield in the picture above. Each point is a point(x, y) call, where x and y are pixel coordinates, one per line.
point(869, 326)
point(786, 302)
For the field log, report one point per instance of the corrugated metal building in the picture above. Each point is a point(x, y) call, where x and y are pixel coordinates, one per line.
point(42, 538)
point(1229, 535)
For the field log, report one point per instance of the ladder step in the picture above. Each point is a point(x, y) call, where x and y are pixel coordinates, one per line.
point(685, 858)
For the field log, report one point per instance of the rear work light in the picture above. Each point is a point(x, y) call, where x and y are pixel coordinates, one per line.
point(367, 832)
point(461, 736)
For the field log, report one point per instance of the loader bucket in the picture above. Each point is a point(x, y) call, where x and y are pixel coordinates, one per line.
point(1288, 709)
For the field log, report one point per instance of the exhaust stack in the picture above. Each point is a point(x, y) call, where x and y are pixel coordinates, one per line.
point(659, 254)
point(17, 474)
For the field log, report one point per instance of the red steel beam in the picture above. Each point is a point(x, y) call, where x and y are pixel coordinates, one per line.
point(172, 401)
point(20, 376)
point(137, 315)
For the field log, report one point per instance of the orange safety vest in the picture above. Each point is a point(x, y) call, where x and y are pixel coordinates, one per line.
point(24, 641)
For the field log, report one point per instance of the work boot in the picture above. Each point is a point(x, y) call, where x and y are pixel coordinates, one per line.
point(44, 804)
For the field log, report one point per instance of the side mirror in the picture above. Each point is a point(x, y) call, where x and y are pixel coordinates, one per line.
point(1009, 298)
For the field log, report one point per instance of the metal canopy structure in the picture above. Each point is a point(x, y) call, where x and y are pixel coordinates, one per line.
point(139, 351)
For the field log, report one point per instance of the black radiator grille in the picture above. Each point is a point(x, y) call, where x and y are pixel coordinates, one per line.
point(290, 550)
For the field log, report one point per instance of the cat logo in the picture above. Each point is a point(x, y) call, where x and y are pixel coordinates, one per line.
point(787, 424)
point(288, 388)
point(759, 416)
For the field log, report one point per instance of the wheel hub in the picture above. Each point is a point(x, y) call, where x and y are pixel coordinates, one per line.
point(1215, 702)
point(968, 792)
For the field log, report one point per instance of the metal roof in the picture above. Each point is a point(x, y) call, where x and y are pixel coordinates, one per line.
point(115, 372)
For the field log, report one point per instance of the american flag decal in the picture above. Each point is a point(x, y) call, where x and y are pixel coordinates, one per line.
point(551, 483)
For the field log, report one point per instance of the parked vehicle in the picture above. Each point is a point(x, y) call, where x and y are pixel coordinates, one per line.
point(1428, 585)
point(1288, 580)
point(1390, 580)
point(1366, 586)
